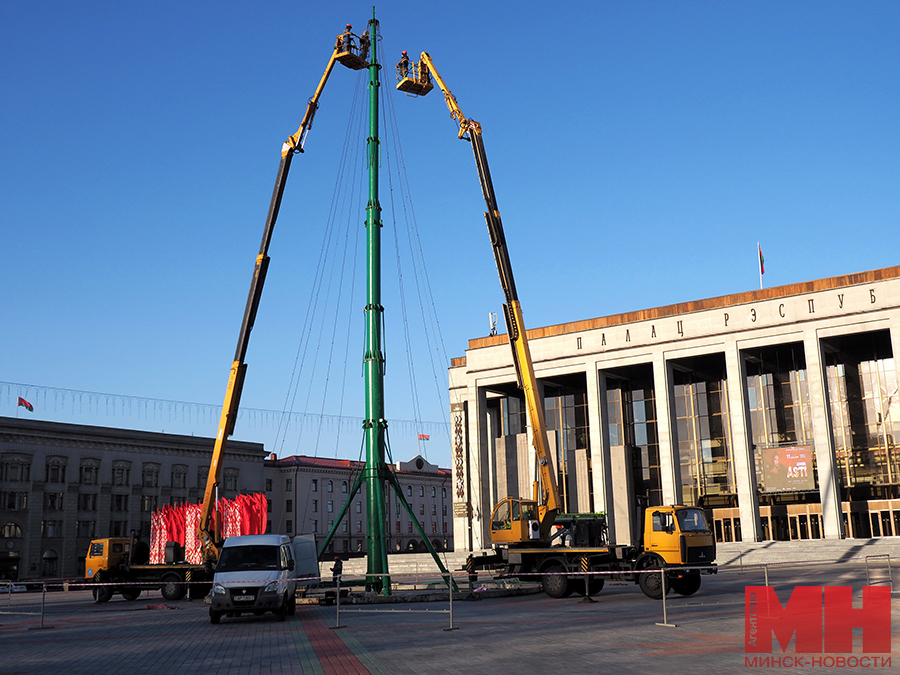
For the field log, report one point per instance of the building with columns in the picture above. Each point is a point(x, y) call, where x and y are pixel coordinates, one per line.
point(775, 410)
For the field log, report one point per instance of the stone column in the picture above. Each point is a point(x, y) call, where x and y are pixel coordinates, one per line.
point(829, 485)
point(742, 447)
point(598, 431)
point(669, 459)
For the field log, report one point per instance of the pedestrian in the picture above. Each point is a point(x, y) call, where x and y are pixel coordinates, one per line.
point(364, 45)
point(403, 66)
point(337, 570)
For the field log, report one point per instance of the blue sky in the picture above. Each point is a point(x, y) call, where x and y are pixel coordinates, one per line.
point(638, 150)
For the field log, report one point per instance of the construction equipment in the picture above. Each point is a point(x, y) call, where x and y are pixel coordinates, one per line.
point(122, 560)
point(528, 535)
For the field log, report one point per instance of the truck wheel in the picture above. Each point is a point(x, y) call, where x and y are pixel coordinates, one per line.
point(172, 589)
point(686, 585)
point(651, 584)
point(102, 594)
point(214, 616)
point(131, 593)
point(556, 584)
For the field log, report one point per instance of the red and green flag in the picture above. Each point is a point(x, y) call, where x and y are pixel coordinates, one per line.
point(424, 437)
point(25, 404)
point(762, 261)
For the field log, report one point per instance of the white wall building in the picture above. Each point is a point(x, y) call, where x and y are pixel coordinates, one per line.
point(691, 403)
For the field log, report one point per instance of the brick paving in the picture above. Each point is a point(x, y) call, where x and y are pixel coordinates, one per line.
point(521, 635)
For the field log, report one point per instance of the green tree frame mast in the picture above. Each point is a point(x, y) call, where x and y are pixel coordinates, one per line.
point(376, 472)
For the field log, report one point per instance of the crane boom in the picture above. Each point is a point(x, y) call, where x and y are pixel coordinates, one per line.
point(470, 130)
point(343, 52)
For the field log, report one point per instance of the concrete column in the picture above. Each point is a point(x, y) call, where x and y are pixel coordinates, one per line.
point(669, 460)
point(829, 486)
point(742, 447)
point(598, 430)
point(481, 468)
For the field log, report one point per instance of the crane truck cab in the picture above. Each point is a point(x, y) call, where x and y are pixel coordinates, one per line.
point(259, 573)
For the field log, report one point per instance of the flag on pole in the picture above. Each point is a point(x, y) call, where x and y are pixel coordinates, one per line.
point(762, 261)
point(25, 404)
point(424, 437)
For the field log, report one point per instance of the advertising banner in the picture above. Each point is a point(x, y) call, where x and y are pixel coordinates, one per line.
point(787, 469)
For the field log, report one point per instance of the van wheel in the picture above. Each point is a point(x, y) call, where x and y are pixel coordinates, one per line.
point(214, 616)
point(292, 606)
point(282, 611)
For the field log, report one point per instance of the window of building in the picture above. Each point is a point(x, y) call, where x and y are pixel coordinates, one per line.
point(268, 506)
point(330, 486)
point(409, 526)
point(433, 491)
point(176, 501)
point(434, 509)
point(87, 502)
point(288, 505)
point(51, 529)
point(290, 526)
point(344, 527)
point(231, 480)
point(397, 507)
point(150, 475)
point(315, 505)
point(359, 526)
point(202, 477)
point(444, 492)
point(445, 509)
point(15, 468)
point(269, 527)
point(359, 507)
point(13, 501)
point(85, 528)
point(179, 476)
point(409, 490)
point(315, 526)
point(268, 484)
point(397, 527)
point(314, 485)
point(89, 472)
point(445, 527)
point(119, 503)
point(421, 490)
point(56, 470)
point(288, 484)
point(344, 486)
point(121, 474)
point(421, 509)
point(11, 531)
point(330, 506)
point(53, 501)
point(434, 526)
point(148, 503)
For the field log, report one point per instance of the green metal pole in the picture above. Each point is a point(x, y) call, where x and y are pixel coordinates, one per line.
point(377, 578)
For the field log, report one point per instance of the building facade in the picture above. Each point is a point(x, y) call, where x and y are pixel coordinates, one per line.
point(308, 493)
point(62, 485)
point(776, 410)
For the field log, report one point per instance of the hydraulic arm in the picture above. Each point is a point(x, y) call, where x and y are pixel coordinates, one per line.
point(345, 52)
point(470, 130)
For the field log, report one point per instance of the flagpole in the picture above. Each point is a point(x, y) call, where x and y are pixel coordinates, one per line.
point(759, 264)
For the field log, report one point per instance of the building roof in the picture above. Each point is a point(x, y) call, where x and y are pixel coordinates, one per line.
point(346, 464)
point(688, 307)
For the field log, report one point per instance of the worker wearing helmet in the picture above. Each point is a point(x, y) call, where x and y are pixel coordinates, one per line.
point(345, 42)
point(403, 66)
point(364, 43)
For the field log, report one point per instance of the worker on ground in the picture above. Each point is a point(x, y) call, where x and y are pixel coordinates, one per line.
point(403, 66)
point(364, 45)
point(346, 39)
point(337, 570)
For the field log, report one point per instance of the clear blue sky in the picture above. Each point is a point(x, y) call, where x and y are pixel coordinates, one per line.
point(639, 151)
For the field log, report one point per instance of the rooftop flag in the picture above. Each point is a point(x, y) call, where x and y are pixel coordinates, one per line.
point(762, 261)
point(25, 404)
point(424, 437)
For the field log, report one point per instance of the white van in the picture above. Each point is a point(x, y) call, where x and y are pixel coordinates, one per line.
point(259, 573)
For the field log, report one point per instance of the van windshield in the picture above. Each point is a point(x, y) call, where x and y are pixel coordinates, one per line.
point(242, 558)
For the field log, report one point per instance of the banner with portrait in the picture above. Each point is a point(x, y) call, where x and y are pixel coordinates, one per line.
point(788, 469)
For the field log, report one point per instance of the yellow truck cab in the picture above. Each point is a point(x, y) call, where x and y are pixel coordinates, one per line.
point(105, 554)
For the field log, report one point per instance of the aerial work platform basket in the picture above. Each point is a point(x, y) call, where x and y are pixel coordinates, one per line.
point(415, 79)
point(349, 47)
